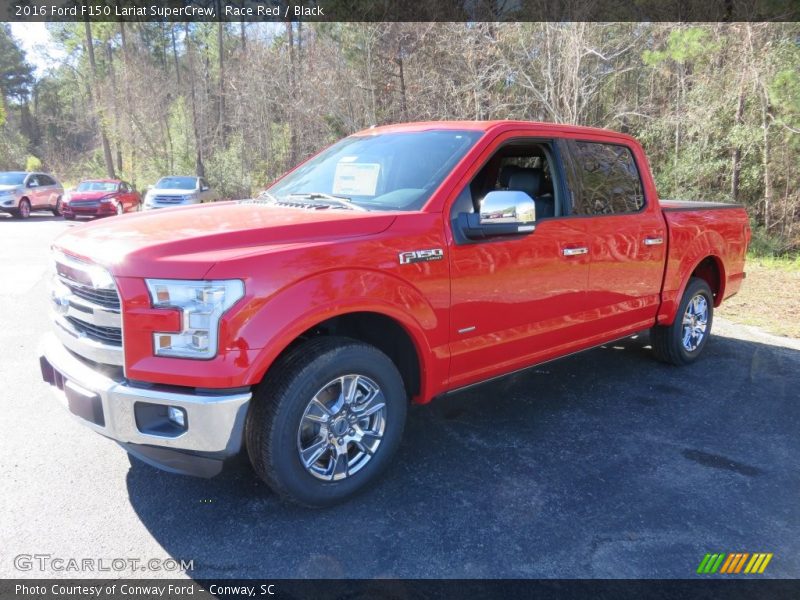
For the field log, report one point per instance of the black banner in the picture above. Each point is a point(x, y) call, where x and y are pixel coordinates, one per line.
point(415, 589)
point(401, 10)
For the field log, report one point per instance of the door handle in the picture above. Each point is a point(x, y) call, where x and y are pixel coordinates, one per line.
point(653, 241)
point(574, 251)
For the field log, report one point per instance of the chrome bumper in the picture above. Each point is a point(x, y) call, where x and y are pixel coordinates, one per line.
point(214, 423)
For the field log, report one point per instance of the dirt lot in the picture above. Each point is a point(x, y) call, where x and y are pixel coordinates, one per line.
point(769, 298)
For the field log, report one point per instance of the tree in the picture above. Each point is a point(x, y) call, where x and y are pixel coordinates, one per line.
point(92, 93)
point(16, 75)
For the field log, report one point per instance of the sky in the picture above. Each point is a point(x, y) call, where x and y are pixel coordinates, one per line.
point(40, 49)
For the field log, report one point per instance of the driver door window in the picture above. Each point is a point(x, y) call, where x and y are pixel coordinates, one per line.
point(524, 167)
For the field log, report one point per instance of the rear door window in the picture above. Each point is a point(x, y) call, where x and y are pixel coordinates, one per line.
point(603, 179)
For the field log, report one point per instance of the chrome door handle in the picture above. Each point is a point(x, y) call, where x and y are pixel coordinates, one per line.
point(653, 241)
point(574, 251)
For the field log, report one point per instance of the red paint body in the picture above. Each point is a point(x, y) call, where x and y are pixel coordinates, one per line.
point(526, 301)
point(101, 203)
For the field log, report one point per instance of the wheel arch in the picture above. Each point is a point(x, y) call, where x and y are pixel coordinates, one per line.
point(377, 329)
point(702, 258)
point(712, 271)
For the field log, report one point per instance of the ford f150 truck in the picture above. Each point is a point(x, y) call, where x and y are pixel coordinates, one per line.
point(400, 264)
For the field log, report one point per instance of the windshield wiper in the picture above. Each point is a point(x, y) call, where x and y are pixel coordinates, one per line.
point(342, 201)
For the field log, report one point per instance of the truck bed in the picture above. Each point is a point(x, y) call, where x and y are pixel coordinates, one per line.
point(698, 230)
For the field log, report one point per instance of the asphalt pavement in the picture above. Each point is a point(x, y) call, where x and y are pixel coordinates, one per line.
point(604, 464)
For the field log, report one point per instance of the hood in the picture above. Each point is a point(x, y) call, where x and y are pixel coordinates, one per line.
point(9, 188)
point(185, 242)
point(89, 195)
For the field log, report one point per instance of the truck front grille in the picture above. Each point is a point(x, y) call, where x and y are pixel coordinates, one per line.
point(107, 335)
point(103, 297)
point(87, 315)
point(168, 199)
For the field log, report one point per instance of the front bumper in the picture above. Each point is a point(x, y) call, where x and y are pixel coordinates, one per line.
point(105, 210)
point(9, 203)
point(214, 423)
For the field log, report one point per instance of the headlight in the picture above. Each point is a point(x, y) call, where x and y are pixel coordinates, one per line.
point(202, 304)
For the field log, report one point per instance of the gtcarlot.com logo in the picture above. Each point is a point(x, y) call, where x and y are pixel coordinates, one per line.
point(48, 562)
point(734, 563)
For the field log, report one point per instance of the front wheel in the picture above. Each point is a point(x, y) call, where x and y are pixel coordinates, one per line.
point(24, 210)
point(326, 420)
point(683, 341)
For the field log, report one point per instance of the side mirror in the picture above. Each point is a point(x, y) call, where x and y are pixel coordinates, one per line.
point(503, 212)
point(32, 183)
point(204, 188)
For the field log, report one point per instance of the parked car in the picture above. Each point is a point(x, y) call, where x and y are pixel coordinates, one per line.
point(22, 192)
point(401, 264)
point(178, 191)
point(99, 198)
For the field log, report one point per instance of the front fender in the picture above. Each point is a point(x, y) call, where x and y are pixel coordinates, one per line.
point(308, 302)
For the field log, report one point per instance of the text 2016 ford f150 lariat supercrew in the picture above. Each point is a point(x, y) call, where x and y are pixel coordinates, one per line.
point(397, 265)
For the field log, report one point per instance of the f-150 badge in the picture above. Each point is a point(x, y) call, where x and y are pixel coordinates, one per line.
point(415, 256)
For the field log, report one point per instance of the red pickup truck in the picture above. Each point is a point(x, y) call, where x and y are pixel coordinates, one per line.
point(400, 264)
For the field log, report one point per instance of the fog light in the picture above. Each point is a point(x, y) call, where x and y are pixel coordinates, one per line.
point(177, 416)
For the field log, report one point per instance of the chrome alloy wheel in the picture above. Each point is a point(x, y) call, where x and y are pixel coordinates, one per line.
point(695, 322)
point(342, 427)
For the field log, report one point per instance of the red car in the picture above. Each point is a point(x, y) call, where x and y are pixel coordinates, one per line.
point(400, 264)
point(100, 198)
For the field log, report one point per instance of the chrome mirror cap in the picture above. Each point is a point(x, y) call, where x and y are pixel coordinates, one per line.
point(506, 206)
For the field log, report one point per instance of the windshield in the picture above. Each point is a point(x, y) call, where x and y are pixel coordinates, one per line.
point(388, 171)
point(12, 178)
point(177, 183)
point(97, 186)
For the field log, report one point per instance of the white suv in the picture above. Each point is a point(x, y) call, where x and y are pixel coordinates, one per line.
point(22, 192)
point(178, 191)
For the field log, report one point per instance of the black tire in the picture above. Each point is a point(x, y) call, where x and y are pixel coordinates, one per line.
point(279, 404)
point(24, 209)
point(57, 209)
point(667, 340)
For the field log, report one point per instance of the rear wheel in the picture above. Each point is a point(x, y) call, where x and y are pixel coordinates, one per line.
point(57, 208)
point(24, 210)
point(683, 341)
point(326, 420)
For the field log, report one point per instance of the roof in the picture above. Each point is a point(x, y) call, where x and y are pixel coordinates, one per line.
point(487, 126)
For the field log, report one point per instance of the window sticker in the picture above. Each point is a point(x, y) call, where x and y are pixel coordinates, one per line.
point(356, 179)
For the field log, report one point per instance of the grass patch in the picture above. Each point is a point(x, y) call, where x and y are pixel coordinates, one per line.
point(769, 298)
